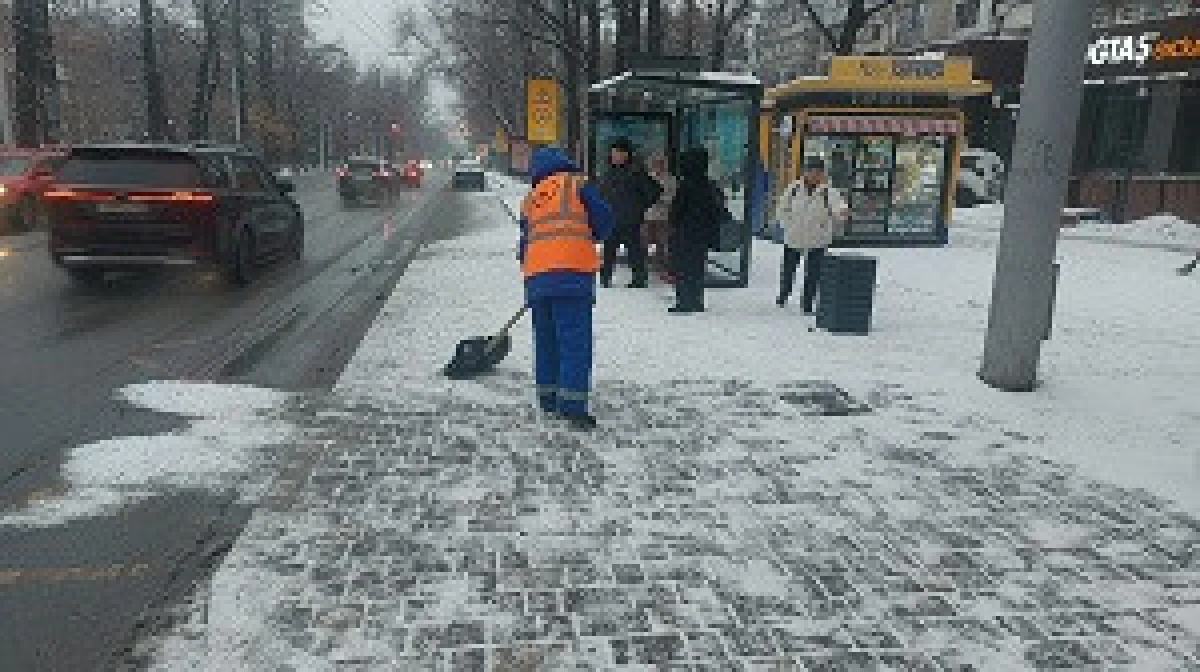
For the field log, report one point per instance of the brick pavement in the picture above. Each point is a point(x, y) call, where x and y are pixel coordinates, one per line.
point(709, 525)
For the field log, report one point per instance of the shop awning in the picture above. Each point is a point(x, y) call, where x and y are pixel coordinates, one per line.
point(903, 125)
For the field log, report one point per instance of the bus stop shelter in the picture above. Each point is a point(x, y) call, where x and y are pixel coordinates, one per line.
point(669, 106)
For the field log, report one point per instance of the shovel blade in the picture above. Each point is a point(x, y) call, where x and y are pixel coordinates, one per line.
point(475, 356)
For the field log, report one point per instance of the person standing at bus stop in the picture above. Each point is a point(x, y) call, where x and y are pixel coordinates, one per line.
point(630, 192)
point(562, 219)
point(810, 213)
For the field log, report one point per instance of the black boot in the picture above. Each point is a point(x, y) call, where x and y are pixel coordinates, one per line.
point(581, 422)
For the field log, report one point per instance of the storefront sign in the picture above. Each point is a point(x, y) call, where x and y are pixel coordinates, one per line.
point(887, 70)
point(1152, 48)
point(1155, 47)
point(542, 107)
point(1123, 49)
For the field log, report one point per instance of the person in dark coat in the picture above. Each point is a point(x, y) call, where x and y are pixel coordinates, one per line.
point(630, 191)
point(696, 215)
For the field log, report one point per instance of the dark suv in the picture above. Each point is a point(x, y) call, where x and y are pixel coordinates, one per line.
point(116, 207)
point(366, 179)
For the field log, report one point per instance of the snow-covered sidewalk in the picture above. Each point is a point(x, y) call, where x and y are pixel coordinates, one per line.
point(720, 519)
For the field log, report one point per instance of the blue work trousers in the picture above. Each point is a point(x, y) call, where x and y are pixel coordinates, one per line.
point(562, 342)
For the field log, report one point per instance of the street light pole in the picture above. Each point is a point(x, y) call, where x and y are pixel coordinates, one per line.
point(1023, 289)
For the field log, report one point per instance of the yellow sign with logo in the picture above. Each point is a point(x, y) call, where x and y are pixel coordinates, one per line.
point(543, 111)
point(884, 71)
point(501, 140)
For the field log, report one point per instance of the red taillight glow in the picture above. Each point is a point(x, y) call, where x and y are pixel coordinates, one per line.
point(72, 195)
point(155, 197)
point(173, 197)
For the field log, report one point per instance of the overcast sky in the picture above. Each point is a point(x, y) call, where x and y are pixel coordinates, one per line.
point(363, 26)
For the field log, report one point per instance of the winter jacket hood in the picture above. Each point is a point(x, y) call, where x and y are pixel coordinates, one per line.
point(547, 161)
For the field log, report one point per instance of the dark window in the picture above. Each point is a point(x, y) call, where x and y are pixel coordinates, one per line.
point(365, 166)
point(249, 175)
point(116, 169)
point(13, 165)
point(217, 171)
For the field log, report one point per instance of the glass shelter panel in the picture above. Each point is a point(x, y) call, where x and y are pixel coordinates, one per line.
point(650, 133)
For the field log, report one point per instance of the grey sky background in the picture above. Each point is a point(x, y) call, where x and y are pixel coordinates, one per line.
point(363, 26)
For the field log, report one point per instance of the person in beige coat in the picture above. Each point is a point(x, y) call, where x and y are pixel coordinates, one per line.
point(811, 212)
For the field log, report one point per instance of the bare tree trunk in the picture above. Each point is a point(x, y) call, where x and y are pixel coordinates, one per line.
point(266, 77)
point(690, 11)
point(205, 73)
point(594, 66)
point(156, 113)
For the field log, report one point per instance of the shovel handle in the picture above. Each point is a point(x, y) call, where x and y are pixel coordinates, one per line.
point(515, 318)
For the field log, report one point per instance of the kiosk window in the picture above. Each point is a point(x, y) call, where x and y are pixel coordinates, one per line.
point(893, 182)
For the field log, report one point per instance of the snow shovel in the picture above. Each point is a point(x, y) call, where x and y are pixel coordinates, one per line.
point(476, 356)
point(1190, 266)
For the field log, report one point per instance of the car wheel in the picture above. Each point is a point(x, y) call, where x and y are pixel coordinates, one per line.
point(23, 218)
point(85, 276)
point(240, 270)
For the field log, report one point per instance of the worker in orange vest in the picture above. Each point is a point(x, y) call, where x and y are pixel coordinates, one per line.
point(562, 220)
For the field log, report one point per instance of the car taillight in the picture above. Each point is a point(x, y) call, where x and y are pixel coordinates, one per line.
point(150, 197)
point(173, 197)
point(342, 172)
point(73, 195)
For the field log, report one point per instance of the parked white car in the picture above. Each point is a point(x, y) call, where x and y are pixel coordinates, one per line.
point(981, 178)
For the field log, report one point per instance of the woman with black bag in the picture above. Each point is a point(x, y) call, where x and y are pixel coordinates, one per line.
point(696, 215)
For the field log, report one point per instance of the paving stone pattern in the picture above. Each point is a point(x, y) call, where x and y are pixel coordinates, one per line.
point(709, 525)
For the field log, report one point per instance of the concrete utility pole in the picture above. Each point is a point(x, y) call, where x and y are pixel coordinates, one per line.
point(1023, 290)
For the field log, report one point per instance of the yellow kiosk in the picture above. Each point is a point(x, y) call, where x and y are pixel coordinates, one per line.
point(890, 131)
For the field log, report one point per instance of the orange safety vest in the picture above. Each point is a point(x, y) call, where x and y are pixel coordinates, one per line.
point(559, 237)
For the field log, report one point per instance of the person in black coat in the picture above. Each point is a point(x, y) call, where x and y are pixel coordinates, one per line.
point(630, 191)
point(696, 215)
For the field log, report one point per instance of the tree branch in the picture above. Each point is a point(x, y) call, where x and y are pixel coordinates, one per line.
point(883, 4)
point(825, 30)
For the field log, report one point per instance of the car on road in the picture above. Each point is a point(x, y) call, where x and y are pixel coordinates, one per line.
point(25, 174)
point(468, 174)
point(411, 174)
point(127, 206)
point(363, 178)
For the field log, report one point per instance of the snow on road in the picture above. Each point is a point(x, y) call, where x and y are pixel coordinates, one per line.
point(217, 451)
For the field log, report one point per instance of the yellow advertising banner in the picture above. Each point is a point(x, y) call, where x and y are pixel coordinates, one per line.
point(501, 140)
point(542, 107)
point(888, 70)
